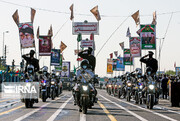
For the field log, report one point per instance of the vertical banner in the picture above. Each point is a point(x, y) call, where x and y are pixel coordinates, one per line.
point(128, 60)
point(135, 48)
point(26, 35)
point(59, 68)
point(44, 45)
point(114, 64)
point(177, 70)
point(55, 57)
point(109, 66)
point(65, 69)
point(120, 64)
point(148, 36)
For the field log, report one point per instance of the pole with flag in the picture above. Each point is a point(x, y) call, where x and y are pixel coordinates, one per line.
point(136, 17)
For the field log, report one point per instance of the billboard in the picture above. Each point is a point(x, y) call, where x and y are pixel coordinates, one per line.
point(85, 28)
point(87, 43)
point(120, 64)
point(65, 69)
point(55, 57)
point(135, 47)
point(148, 36)
point(128, 60)
point(114, 64)
point(109, 66)
point(44, 45)
point(26, 35)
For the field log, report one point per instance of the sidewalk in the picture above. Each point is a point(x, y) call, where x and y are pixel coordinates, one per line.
point(167, 104)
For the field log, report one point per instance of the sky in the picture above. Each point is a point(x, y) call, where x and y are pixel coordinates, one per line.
point(113, 12)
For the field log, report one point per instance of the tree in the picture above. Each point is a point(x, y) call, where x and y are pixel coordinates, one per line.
point(170, 72)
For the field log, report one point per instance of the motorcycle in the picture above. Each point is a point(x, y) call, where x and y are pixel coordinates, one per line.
point(53, 81)
point(43, 90)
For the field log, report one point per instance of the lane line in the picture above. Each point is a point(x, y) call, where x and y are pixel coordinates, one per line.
point(32, 112)
point(111, 117)
point(59, 110)
point(163, 108)
point(11, 110)
point(130, 112)
point(82, 117)
point(161, 115)
point(8, 104)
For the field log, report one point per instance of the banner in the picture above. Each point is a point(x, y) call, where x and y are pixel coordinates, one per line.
point(135, 48)
point(65, 69)
point(177, 70)
point(44, 45)
point(120, 64)
point(55, 57)
point(86, 43)
point(128, 60)
point(95, 12)
point(26, 35)
point(148, 36)
point(85, 28)
point(59, 68)
point(109, 66)
point(114, 64)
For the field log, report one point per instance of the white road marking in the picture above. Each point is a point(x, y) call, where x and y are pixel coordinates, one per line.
point(161, 115)
point(59, 110)
point(9, 104)
point(82, 117)
point(132, 113)
point(30, 113)
point(163, 108)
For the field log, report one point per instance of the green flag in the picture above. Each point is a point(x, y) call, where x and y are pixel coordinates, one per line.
point(79, 38)
point(74, 70)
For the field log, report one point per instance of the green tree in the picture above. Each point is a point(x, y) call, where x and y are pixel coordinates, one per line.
point(170, 72)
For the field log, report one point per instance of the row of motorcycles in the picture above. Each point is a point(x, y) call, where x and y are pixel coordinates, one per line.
point(84, 91)
point(49, 85)
point(134, 85)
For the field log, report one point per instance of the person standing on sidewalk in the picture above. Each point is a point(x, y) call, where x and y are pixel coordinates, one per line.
point(164, 86)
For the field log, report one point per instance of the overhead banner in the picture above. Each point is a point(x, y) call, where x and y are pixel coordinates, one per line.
point(120, 64)
point(177, 70)
point(109, 66)
point(128, 60)
point(148, 36)
point(26, 35)
point(135, 48)
point(87, 43)
point(44, 45)
point(114, 64)
point(65, 69)
point(55, 57)
point(85, 28)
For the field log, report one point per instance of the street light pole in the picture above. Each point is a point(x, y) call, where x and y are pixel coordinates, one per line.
point(3, 42)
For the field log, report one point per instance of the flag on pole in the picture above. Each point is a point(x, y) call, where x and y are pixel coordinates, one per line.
point(62, 46)
point(74, 69)
point(37, 33)
point(111, 55)
point(154, 18)
point(72, 12)
point(92, 36)
point(128, 34)
point(79, 38)
point(135, 16)
point(95, 12)
point(122, 45)
point(138, 32)
point(33, 12)
point(174, 64)
point(116, 53)
point(50, 32)
point(16, 17)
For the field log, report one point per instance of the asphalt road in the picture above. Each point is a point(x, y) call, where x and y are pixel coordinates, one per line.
point(108, 108)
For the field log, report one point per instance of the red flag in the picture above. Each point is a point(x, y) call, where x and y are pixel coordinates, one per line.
point(111, 55)
point(174, 64)
point(92, 36)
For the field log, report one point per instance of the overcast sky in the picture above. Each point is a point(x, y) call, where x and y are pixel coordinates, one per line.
point(109, 8)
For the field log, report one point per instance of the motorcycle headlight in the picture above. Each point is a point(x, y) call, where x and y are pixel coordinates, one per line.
point(44, 84)
point(119, 86)
point(85, 88)
point(52, 82)
point(140, 86)
point(109, 85)
point(151, 87)
point(128, 84)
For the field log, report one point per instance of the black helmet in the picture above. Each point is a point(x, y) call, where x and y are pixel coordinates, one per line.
point(84, 64)
point(149, 70)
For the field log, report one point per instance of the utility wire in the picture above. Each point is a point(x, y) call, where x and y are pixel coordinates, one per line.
point(81, 14)
point(111, 36)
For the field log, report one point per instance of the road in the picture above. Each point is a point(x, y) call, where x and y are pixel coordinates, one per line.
point(108, 108)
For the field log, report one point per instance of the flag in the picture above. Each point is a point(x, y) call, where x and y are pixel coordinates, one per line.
point(72, 12)
point(122, 45)
point(79, 38)
point(50, 32)
point(111, 55)
point(154, 18)
point(135, 16)
point(74, 69)
point(92, 36)
point(128, 34)
point(62, 46)
point(138, 32)
point(95, 12)
point(16, 17)
point(116, 53)
point(38, 33)
point(33, 12)
point(174, 64)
